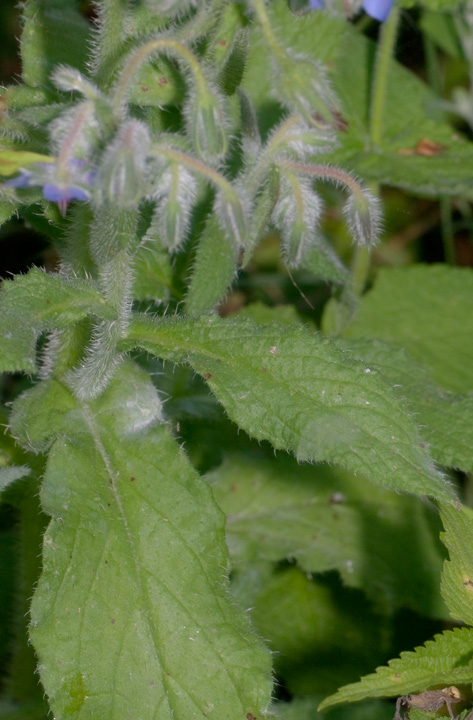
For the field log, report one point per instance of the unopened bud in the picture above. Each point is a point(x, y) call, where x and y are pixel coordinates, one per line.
point(122, 174)
point(297, 214)
point(304, 86)
point(175, 193)
point(207, 126)
point(363, 214)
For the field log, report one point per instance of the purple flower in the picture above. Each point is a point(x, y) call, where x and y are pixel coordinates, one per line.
point(378, 9)
point(60, 185)
point(316, 4)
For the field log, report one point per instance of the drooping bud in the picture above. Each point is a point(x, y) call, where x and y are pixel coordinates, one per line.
point(68, 79)
point(296, 214)
point(122, 175)
point(303, 84)
point(363, 214)
point(206, 123)
point(229, 208)
point(175, 192)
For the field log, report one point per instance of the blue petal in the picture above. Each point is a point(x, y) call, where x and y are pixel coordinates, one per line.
point(316, 4)
point(378, 9)
point(56, 194)
point(23, 180)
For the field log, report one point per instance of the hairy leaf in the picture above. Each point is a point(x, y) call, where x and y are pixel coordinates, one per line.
point(131, 616)
point(445, 660)
point(298, 391)
point(427, 310)
point(278, 509)
point(457, 576)
point(446, 419)
point(33, 303)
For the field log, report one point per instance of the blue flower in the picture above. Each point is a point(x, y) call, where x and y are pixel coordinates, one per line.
point(60, 185)
point(378, 9)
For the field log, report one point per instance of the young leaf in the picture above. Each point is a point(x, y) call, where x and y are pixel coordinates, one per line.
point(33, 303)
point(277, 509)
point(131, 616)
point(214, 269)
point(298, 391)
point(445, 660)
point(429, 311)
point(457, 575)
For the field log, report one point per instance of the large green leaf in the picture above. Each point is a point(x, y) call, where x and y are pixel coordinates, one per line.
point(131, 616)
point(278, 509)
point(446, 660)
point(33, 303)
point(298, 391)
point(457, 576)
point(425, 309)
point(446, 419)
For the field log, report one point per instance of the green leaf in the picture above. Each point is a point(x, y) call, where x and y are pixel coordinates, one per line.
point(33, 303)
point(11, 161)
point(305, 708)
point(322, 634)
point(298, 391)
point(214, 269)
point(457, 575)
point(446, 419)
point(152, 273)
point(425, 309)
point(278, 509)
point(445, 660)
point(131, 616)
point(54, 32)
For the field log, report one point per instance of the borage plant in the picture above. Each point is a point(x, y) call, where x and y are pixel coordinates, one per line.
point(167, 149)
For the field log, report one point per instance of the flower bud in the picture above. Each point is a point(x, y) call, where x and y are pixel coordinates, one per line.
point(121, 178)
point(363, 214)
point(303, 86)
point(206, 124)
point(296, 215)
point(175, 192)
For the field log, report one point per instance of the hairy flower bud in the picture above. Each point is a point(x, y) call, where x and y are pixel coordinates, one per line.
point(121, 177)
point(296, 214)
point(303, 85)
point(363, 214)
point(175, 192)
point(206, 123)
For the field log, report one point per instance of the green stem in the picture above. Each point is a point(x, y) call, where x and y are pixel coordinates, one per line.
point(360, 269)
point(267, 29)
point(140, 55)
point(383, 61)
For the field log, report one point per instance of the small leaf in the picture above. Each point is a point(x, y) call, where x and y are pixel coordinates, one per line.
point(33, 303)
point(429, 311)
point(445, 660)
point(214, 270)
point(300, 393)
point(131, 615)
point(12, 161)
point(457, 576)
